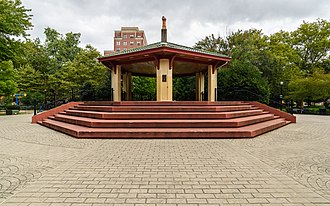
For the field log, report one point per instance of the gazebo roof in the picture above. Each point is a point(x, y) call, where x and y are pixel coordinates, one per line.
point(166, 45)
point(185, 61)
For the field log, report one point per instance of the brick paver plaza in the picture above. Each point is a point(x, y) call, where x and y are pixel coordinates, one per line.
point(289, 166)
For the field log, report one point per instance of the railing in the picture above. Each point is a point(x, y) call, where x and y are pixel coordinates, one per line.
point(288, 107)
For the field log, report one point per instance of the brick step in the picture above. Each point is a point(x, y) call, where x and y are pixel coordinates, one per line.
point(164, 123)
point(165, 103)
point(163, 115)
point(241, 132)
point(206, 108)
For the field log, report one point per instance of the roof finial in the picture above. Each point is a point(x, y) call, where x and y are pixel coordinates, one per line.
point(164, 22)
point(164, 30)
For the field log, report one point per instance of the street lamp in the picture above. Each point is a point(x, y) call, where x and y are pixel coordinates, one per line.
point(281, 95)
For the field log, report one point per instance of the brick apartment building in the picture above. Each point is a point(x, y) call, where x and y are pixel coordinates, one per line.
point(127, 38)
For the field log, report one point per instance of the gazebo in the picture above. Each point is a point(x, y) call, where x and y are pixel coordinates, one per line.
point(163, 118)
point(163, 60)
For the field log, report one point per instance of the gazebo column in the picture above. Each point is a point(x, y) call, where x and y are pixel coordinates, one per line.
point(129, 86)
point(164, 81)
point(116, 82)
point(125, 86)
point(199, 86)
point(212, 83)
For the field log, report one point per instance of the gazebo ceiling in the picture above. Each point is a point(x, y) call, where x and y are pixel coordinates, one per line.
point(179, 68)
point(184, 60)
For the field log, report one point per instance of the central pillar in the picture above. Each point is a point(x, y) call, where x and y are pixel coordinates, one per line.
point(164, 81)
point(116, 82)
point(212, 83)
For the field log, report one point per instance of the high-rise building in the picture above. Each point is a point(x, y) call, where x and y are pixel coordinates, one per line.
point(127, 38)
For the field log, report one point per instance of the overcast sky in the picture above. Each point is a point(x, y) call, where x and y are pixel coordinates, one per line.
point(188, 21)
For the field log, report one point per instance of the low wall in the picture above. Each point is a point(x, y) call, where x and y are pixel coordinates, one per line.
point(56, 110)
point(274, 111)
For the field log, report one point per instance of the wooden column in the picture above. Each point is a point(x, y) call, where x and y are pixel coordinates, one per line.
point(164, 81)
point(212, 83)
point(116, 82)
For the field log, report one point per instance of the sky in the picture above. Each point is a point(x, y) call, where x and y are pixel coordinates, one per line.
point(188, 21)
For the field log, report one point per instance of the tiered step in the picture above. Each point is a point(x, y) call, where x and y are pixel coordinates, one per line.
point(164, 120)
point(162, 123)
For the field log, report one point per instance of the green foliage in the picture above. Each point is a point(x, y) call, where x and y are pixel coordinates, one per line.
point(14, 21)
point(85, 68)
point(61, 49)
point(214, 44)
point(103, 88)
point(31, 96)
point(60, 68)
point(143, 88)
point(282, 56)
point(315, 87)
point(86, 74)
point(29, 79)
point(242, 81)
point(7, 78)
point(312, 42)
point(87, 92)
point(247, 49)
point(184, 88)
point(36, 56)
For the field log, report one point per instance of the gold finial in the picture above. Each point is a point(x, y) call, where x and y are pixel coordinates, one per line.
point(164, 22)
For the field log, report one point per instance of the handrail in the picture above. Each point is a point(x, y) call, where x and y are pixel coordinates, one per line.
point(287, 107)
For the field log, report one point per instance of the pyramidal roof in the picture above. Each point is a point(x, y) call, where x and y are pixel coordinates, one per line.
point(165, 45)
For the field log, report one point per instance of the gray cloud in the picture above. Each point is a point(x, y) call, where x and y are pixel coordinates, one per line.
point(188, 20)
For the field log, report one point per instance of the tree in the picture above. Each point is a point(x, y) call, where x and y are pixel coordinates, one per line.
point(62, 49)
point(34, 67)
point(59, 69)
point(279, 66)
point(247, 49)
point(7, 78)
point(214, 44)
point(312, 88)
point(29, 79)
point(14, 22)
point(312, 42)
point(144, 88)
point(87, 75)
point(242, 81)
point(184, 88)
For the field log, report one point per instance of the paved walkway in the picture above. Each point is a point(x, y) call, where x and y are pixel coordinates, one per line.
point(289, 166)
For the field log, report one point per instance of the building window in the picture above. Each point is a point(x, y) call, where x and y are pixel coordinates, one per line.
point(125, 49)
point(118, 49)
point(138, 43)
point(125, 36)
point(125, 43)
point(131, 35)
point(131, 43)
point(118, 43)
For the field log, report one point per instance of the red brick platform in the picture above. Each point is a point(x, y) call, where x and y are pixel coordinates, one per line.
point(164, 119)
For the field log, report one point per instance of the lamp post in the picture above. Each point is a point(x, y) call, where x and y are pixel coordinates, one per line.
point(281, 95)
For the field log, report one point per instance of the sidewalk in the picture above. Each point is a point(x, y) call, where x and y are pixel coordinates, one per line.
point(289, 166)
